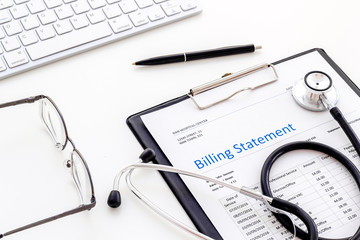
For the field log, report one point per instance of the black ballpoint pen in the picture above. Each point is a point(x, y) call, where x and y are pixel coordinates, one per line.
point(184, 57)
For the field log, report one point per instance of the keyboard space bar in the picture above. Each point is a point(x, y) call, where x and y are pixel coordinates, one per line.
point(73, 39)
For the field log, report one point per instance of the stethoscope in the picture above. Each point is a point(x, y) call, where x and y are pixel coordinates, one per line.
point(315, 92)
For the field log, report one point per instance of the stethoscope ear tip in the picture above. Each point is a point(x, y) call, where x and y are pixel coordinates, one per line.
point(147, 155)
point(114, 199)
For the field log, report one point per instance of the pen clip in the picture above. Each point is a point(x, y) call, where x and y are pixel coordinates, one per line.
point(229, 78)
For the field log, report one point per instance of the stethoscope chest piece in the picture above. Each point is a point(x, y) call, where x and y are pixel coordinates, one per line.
point(308, 92)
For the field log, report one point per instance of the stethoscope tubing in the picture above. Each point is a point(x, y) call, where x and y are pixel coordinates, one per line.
point(302, 145)
point(339, 117)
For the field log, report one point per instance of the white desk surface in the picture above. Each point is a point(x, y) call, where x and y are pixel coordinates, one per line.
point(97, 90)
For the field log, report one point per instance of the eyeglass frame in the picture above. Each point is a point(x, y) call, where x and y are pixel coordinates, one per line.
point(78, 209)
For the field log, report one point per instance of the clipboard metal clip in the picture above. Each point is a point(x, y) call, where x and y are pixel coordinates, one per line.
point(229, 78)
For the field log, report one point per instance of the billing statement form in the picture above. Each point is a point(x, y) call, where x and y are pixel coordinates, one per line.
point(231, 140)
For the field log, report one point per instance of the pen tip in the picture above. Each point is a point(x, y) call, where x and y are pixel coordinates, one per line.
point(258, 47)
point(133, 63)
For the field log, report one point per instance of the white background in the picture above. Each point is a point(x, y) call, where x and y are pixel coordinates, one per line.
point(97, 90)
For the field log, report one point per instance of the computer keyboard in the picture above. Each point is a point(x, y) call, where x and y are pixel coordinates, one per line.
point(37, 32)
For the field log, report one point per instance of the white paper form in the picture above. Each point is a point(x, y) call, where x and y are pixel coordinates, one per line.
point(230, 141)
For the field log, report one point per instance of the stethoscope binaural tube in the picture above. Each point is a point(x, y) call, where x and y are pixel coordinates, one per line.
point(276, 205)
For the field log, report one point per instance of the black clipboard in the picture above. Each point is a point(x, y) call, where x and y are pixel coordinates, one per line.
point(182, 193)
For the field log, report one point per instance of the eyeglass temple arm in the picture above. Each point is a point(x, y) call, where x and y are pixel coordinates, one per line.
point(50, 219)
point(22, 101)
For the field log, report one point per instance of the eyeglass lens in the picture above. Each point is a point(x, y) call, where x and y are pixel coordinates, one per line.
point(81, 177)
point(54, 122)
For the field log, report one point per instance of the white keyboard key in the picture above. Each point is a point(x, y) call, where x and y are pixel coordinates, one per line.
point(138, 18)
point(20, 1)
point(156, 15)
point(45, 32)
point(53, 3)
point(62, 27)
point(5, 4)
point(30, 22)
point(35, 6)
point(19, 11)
point(16, 58)
point(2, 66)
point(128, 6)
point(4, 17)
point(2, 34)
point(10, 43)
point(144, 3)
point(171, 8)
point(112, 11)
point(67, 41)
point(63, 12)
point(79, 21)
point(80, 7)
point(12, 28)
point(96, 16)
point(94, 4)
point(112, 1)
point(28, 38)
point(120, 24)
point(159, 1)
point(188, 5)
point(47, 17)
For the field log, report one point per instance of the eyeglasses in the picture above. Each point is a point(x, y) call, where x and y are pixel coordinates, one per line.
point(55, 125)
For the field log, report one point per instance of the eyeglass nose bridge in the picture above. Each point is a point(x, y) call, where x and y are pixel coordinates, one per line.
point(67, 164)
point(58, 146)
